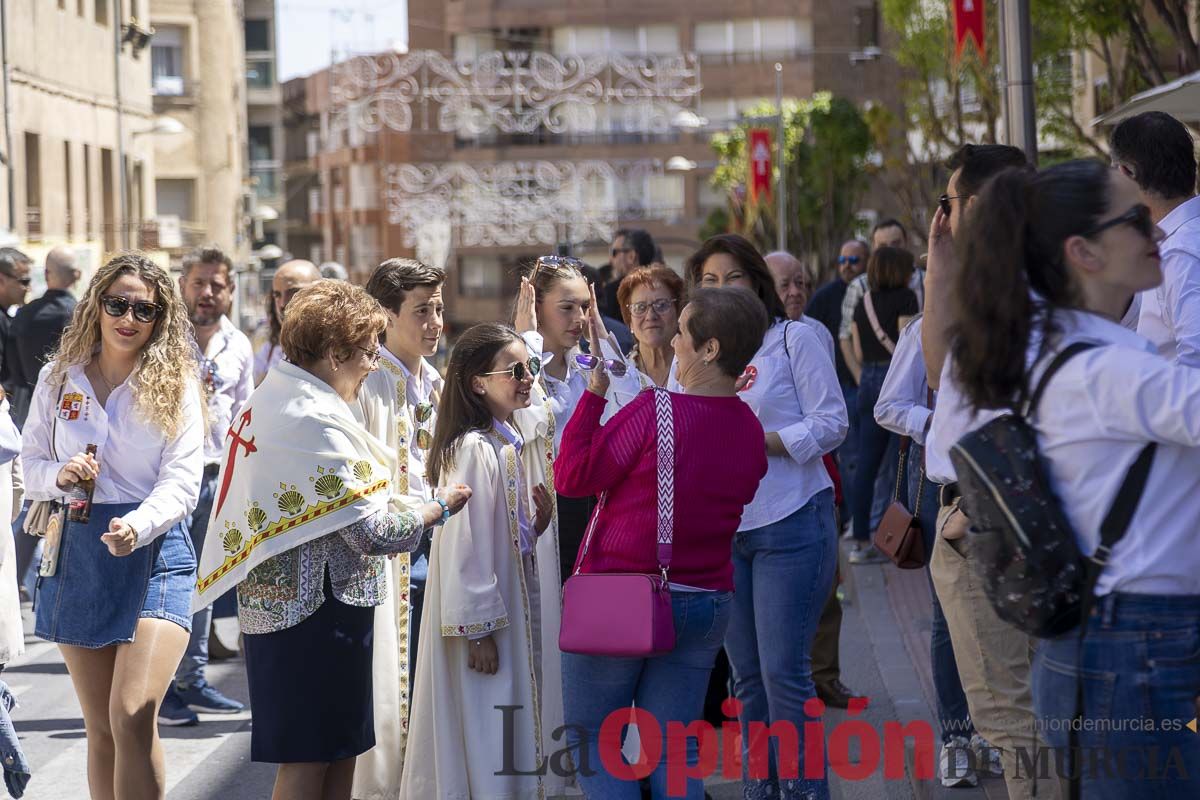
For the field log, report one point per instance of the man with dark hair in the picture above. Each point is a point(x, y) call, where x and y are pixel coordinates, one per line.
point(38, 326)
point(227, 374)
point(991, 659)
point(631, 248)
point(1157, 151)
point(15, 267)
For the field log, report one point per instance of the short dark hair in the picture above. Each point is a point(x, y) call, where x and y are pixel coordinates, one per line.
point(748, 258)
point(735, 318)
point(10, 258)
point(889, 268)
point(1159, 151)
point(979, 162)
point(392, 280)
point(641, 243)
point(890, 222)
point(209, 254)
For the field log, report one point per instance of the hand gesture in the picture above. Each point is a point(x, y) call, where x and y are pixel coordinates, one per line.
point(526, 318)
point(597, 319)
point(81, 467)
point(598, 377)
point(482, 655)
point(543, 503)
point(942, 261)
point(455, 496)
point(121, 538)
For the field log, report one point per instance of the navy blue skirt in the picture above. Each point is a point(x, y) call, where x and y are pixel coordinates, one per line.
point(310, 686)
point(95, 599)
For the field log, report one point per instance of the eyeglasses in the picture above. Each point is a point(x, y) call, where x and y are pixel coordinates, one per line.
point(852, 260)
point(659, 306)
point(555, 263)
point(23, 281)
point(590, 362)
point(616, 251)
point(519, 371)
point(944, 201)
point(143, 310)
point(373, 355)
point(1139, 217)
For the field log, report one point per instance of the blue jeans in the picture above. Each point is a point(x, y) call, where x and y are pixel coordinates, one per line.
point(783, 573)
point(953, 716)
point(670, 687)
point(195, 658)
point(1141, 662)
point(873, 442)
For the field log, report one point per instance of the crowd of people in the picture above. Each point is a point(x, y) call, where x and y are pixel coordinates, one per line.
point(398, 540)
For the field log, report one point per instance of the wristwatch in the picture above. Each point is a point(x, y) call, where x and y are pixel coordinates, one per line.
point(445, 510)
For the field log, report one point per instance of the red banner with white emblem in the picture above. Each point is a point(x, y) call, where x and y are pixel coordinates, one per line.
point(969, 24)
point(759, 151)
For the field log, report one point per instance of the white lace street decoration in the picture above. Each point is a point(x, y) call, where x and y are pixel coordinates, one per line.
point(518, 203)
point(513, 92)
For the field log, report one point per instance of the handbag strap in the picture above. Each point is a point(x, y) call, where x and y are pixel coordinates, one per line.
point(880, 333)
point(905, 443)
point(54, 420)
point(664, 425)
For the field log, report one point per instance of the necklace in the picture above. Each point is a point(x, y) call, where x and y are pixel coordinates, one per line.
point(109, 386)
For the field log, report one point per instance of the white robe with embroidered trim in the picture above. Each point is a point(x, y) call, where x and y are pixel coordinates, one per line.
point(383, 409)
point(477, 584)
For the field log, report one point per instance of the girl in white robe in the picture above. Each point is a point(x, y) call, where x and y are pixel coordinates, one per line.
point(480, 631)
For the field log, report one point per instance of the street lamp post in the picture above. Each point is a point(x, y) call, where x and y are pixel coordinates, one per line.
point(1017, 55)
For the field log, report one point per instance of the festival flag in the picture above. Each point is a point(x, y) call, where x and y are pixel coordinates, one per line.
point(759, 142)
point(968, 23)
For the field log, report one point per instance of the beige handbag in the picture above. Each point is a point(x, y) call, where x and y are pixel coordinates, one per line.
point(41, 512)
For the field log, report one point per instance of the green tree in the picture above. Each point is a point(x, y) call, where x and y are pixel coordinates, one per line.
point(827, 146)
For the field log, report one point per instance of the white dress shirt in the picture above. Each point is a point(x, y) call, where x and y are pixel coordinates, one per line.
point(1171, 311)
point(563, 395)
point(266, 357)
point(903, 405)
point(822, 332)
point(1098, 413)
point(795, 393)
point(138, 464)
point(230, 381)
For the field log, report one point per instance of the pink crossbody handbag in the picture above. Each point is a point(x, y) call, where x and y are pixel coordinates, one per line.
point(627, 614)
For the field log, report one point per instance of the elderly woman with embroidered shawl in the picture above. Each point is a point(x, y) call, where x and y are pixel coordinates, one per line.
point(301, 524)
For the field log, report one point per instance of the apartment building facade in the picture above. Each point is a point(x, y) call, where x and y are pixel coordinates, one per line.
point(513, 128)
point(79, 129)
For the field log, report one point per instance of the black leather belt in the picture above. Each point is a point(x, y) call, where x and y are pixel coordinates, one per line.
point(948, 493)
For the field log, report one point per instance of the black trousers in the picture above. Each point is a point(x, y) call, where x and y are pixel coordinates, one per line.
point(573, 516)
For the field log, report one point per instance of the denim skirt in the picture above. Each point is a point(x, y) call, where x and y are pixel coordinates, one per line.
point(95, 599)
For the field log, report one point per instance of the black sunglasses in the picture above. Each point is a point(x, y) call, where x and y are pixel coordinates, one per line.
point(1139, 217)
point(519, 371)
point(23, 281)
point(143, 310)
point(944, 201)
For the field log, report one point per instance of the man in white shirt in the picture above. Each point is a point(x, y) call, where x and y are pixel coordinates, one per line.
point(226, 372)
point(1157, 151)
point(993, 658)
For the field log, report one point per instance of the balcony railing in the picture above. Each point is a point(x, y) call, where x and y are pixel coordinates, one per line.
point(33, 223)
point(755, 56)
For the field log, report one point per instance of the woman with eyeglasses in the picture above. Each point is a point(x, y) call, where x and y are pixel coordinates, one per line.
point(115, 591)
point(305, 517)
point(481, 637)
point(785, 550)
point(1055, 257)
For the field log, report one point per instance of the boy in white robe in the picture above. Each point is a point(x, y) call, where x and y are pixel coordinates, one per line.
point(397, 404)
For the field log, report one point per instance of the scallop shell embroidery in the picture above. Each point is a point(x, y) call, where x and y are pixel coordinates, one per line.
point(290, 502)
point(256, 518)
point(362, 471)
point(329, 486)
point(232, 541)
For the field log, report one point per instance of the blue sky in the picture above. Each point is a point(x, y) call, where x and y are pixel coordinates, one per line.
point(310, 30)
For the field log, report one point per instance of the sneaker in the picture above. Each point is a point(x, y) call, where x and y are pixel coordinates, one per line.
point(986, 756)
point(174, 711)
point(866, 554)
point(204, 697)
point(954, 765)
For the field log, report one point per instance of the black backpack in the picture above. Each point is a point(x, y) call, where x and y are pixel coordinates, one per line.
point(1022, 543)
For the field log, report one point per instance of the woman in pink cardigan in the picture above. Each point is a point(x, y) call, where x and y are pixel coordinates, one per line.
point(719, 461)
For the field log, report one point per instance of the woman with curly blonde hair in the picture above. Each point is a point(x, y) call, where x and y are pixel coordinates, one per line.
point(115, 592)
